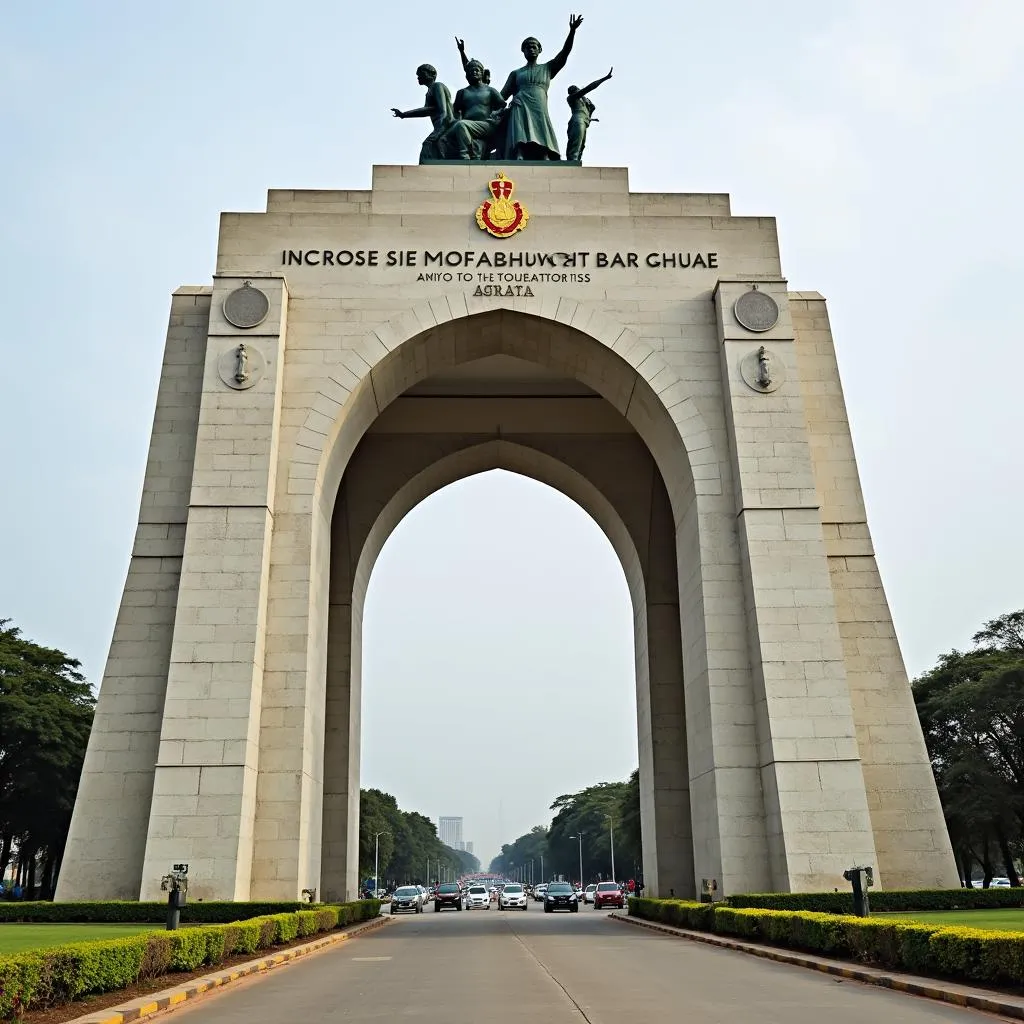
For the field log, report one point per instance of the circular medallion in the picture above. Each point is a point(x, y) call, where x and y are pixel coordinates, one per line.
point(241, 366)
point(756, 311)
point(762, 369)
point(246, 306)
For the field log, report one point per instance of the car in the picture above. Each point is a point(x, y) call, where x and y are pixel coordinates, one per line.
point(477, 896)
point(538, 892)
point(609, 894)
point(448, 894)
point(588, 893)
point(560, 896)
point(407, 897)
point(512, 895)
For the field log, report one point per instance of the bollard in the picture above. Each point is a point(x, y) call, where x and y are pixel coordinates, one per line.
point(175, 901)
point(860, 878)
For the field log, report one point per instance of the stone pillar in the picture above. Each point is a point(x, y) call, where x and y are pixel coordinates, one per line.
point(906, 816)
point(811, 777)
point(204, 792)
point(106, 843)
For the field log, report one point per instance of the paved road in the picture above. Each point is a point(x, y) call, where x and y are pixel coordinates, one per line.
point(505, 967)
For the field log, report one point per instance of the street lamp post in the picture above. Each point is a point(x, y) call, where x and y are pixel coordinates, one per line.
point(611, 839)
point(580, 838)
point(376, 860)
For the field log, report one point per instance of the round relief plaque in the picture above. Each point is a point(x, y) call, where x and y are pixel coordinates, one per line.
point(246, 306)
point(756, 311)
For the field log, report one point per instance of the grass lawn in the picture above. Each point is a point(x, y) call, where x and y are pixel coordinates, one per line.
point(16, 938)
point(998, 920)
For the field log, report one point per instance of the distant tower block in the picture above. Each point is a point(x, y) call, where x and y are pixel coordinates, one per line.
point(642, 353)
point(449, 831)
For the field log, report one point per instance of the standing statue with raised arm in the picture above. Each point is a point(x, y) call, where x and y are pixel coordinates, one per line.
point(461, 44)
point(529, 133)
point(478, 110)
point(437, 106)
point(579, 121)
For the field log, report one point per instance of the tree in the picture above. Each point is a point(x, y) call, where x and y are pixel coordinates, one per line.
point(46, 711)
point(587, 811)
point(971, 707)
point(410, 851)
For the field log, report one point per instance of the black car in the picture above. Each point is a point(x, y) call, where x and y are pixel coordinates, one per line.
point(448, 894)
point(407, 897)
point(560, 896)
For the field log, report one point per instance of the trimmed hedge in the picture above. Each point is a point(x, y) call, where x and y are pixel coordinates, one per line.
point(884, 900)
point(116, 911)
point(964, 954)
point(39, 979)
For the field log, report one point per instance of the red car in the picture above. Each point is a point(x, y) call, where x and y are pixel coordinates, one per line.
point(608, 894)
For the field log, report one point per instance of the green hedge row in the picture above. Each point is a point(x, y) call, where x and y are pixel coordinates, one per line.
point(115, 911)
point(44, 978)
point(966, 954)
point(883, 901)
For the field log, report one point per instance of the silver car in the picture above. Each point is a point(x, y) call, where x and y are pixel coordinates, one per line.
point(407, 898)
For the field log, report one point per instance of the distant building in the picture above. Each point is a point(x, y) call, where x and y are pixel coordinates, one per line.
point(469, 847)
point(449, 831)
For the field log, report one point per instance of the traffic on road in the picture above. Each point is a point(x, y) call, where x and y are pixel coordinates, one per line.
point(497, 893)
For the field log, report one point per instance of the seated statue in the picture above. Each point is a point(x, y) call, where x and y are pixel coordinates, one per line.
point(478, 111)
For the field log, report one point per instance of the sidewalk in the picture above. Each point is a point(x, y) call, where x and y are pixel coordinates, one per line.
point(930, 988)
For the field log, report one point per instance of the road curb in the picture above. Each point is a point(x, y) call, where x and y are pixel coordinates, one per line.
point(943, 992)
point(179, 995)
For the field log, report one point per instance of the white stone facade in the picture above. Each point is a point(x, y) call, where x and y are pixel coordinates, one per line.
point(778, 738)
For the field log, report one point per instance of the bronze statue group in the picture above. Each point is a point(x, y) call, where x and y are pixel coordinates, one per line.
point(513, 124)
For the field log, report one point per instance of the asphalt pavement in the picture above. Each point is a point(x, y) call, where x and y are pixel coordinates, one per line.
point(514, 966)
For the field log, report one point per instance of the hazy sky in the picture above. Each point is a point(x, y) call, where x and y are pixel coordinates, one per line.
point(885, 136)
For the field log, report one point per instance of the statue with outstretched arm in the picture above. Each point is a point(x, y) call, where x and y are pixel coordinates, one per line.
point(461, 44)
point(579, 121)
point(529, 133)
point(437, 106)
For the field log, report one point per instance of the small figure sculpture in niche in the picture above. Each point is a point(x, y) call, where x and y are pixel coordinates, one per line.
point(582, 115)
point(437, 106)
point(241, 365)
point(764, 370)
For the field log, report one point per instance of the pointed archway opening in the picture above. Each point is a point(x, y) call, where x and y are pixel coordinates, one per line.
point(498, 666)
point(532, 418)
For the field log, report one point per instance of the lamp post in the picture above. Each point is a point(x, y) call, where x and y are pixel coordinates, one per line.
point(611, 839)
point(376, 860)
point(580, 838)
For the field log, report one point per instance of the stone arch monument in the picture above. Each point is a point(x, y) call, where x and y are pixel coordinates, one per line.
point(642, 353)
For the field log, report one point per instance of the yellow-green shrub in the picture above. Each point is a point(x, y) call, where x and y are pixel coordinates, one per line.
point(50, 977)
point(967, 954)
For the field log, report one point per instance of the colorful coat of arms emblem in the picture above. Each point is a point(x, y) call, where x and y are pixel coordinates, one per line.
point(501, 216)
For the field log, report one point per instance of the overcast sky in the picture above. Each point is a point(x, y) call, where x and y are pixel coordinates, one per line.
point(884, 136)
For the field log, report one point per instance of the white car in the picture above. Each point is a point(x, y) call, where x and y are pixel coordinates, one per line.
point(588, 893)
point(478, 898)
point(512, 896)
point(538, 892)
